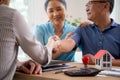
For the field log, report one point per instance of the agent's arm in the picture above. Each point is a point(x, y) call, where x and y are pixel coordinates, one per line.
point(26, 39)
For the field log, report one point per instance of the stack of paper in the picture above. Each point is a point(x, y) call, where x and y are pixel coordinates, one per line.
point(112, 72)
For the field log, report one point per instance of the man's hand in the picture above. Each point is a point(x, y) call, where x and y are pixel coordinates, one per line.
point(91, 59)
point(29, 67)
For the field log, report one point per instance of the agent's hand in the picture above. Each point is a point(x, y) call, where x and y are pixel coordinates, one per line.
point(52, 42)
point(29, 67)
point(56, 50)
point(91, 59)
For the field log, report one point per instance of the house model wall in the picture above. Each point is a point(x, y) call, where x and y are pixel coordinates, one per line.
point(103, 60)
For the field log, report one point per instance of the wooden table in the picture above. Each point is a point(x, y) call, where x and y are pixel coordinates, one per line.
point(61, 76)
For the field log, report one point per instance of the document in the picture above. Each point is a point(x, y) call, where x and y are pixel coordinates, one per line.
point(112, 72)
point(56, 65)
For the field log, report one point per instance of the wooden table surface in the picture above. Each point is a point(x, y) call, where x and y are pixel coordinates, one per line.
point(50, 75)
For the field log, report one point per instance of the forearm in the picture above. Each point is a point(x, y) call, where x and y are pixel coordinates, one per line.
point(116, 62)
point(66, 45)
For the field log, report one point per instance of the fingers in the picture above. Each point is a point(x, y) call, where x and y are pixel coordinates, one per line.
point(31, 67)
point(35, 68)
point(24, 69)
point(69, 35)
point(38, 69)
point(56, 52)
point(91, 59)
point(56, 38)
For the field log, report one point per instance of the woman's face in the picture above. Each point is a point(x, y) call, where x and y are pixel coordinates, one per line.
point(56, 12)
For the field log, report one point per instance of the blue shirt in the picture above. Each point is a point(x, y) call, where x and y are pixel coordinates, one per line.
point(44, 31)
point(92, 39)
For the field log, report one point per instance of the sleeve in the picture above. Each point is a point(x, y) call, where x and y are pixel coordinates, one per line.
point(39, 34)
point(77, 36)
point(26, 39)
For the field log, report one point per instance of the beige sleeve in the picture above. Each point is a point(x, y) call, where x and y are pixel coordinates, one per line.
point(27, 41)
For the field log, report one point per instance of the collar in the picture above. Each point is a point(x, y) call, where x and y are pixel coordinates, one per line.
point(112, 25)
point(52, 27)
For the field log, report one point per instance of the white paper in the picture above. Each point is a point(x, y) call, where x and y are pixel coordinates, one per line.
point(112, 72)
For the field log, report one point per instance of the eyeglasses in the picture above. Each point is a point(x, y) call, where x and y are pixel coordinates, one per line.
point(92, 2)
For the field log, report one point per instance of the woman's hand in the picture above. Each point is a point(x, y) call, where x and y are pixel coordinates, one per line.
point(29, 67)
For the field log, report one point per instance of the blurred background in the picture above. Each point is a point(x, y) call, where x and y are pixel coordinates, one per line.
point(34, 13)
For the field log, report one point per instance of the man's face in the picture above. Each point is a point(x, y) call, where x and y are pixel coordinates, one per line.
point(95, 9)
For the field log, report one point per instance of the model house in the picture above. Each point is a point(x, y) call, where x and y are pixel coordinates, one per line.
point(103, 60)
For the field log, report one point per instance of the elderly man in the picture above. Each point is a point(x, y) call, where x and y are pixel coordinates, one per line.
point(102, 34)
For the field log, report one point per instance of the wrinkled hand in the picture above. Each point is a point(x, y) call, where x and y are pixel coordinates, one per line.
point(91, 59)
point(30, 67)
point(85, 24)
point(69, 35)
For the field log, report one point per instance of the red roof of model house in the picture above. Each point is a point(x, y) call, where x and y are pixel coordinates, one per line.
point(100, 53)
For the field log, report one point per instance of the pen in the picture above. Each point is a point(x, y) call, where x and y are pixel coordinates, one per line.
point(60, 71)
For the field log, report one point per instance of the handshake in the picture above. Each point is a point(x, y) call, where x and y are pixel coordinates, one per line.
point(54, 41)
point(58, 46)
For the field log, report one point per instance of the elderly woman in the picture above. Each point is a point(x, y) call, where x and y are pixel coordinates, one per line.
point(15, 32)
point(56, 11)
